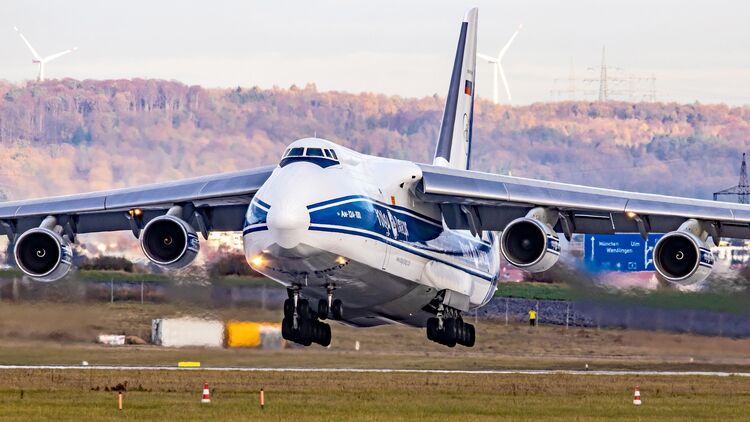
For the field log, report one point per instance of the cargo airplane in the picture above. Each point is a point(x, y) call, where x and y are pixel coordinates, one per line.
point(367, 240)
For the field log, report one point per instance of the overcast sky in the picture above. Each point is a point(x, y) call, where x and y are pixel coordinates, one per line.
point(697, 50)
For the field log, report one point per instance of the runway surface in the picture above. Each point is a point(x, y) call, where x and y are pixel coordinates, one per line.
point(384, 370)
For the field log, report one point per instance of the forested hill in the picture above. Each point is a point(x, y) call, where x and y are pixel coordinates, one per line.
point(66, 136)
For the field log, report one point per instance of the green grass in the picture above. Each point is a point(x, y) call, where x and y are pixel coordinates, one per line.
point(175, 395)
point(539, 291)
point(665, 299)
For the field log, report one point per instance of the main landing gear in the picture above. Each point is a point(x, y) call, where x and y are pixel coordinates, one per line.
point(302, 324)
point(449, 329)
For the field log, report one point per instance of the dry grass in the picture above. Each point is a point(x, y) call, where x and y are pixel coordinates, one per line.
point(64, 333)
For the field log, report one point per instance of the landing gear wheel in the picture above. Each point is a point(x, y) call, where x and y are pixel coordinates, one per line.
point(460, 332)
point(303, 309)
point(286, 329)
point(323, 309)
point(432, 329)
point(322, 333)
point(326, 339)
point(449, 332)
point(288, 308)
point(471, 336)
point(337, 309)
point(305, 332)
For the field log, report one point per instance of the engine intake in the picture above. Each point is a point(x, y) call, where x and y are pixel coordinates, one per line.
point(43, 254)
point(530, 244)
point(682, 257)
point(169, 241)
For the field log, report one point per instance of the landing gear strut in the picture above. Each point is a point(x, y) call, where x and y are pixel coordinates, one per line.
point(301, 324)
point(449, 329)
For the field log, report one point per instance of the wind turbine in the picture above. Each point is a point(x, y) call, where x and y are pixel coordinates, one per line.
point(498, 67)
point(42, 60)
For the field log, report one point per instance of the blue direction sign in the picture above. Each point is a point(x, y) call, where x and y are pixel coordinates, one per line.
point(619, 252)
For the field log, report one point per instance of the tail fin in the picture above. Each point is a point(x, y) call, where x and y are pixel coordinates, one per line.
point(454, 143)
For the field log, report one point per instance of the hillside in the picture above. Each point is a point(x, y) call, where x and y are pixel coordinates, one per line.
point(68, 136)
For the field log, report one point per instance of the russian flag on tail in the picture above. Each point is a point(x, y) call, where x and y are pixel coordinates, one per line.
point(468, 87)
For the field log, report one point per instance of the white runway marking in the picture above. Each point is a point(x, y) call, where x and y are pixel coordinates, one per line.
point(387, 371)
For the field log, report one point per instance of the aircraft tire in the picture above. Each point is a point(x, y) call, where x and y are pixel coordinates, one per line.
point(337, 309)
point(286, 329)
point(460, 332)
point(306, 331)
point(303, 308)
point(471, 336)
point(322, 334)
point(432, 329)
point(449, 332)
point(288, 308)
point(323, 309)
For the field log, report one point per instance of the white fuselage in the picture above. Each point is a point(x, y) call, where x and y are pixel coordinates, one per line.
point(352, 223)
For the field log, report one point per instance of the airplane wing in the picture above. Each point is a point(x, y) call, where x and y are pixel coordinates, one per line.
point(216, 202)
point(481, 201)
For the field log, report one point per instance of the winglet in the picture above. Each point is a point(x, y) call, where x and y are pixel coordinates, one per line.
point(454, 143)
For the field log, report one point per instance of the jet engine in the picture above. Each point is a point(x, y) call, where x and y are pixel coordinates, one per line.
point(682, 256)
point(170, 241)
point(42, 253)
point(530, 243)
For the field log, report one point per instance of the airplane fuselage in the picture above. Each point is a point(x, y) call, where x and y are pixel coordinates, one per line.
point(352, 223)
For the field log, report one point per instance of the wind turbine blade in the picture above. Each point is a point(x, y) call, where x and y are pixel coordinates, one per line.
point(56, 55)
point(505, 81)
point(486, 57)
point(33, 52)
point(507, 45)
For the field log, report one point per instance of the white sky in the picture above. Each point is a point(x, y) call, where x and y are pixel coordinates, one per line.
point(698, 50)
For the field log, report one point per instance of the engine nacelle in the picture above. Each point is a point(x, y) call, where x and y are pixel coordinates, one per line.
point(682, 257)
point(530, 244)
point(43, 254)
point(169, 241)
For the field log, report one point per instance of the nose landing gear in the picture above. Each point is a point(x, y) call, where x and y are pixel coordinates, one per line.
point(301, 324)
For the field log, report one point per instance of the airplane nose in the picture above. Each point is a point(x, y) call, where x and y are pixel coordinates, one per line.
point(288, 221)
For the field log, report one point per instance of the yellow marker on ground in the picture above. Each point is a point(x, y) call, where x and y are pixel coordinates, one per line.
point(189, 364)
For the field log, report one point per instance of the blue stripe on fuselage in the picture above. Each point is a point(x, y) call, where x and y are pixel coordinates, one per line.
point(396, 226)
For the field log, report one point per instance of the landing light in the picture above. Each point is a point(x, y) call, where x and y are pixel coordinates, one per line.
point(135, 212)
point(631, 214)
point(341, 260)
point(257, 261)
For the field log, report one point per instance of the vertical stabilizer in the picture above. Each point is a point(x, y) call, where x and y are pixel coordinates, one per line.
point(454, 142)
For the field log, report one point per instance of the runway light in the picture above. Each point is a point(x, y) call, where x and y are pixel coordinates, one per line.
point(631, 214)
point(341, 260)
point(257, 260)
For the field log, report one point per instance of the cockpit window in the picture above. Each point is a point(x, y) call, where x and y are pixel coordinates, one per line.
point(296, 152)
point(314, 152)
point(319, 156)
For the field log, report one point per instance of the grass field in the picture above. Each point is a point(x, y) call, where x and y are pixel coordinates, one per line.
point(175, 395)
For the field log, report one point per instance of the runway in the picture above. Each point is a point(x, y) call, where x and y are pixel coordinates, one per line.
point(382, 370)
